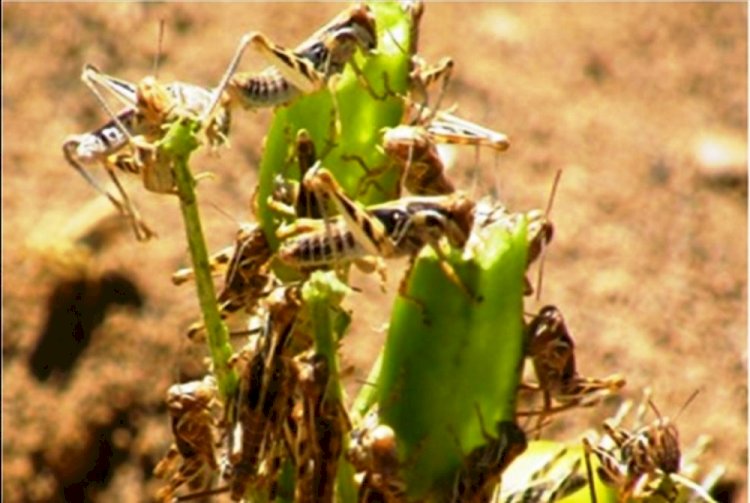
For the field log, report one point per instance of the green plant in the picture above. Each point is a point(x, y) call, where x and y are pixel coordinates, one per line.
point(456, 346)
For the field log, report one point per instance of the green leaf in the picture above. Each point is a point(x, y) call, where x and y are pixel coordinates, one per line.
point(454, 354)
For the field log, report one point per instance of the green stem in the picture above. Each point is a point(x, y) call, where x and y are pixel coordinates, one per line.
point(322, 293)
point(178, 144)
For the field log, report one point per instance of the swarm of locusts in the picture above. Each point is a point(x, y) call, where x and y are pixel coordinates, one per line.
point(269, 421)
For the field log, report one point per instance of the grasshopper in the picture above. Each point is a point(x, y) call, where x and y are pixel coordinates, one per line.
point(438, 125)
point(247, 278)
point(412, 146)
point(193, 428)
point(262, 403)
point(390, 230)
point(320, 429)
point(483, 467)
point(310, 67)
point(445, 127)
point(549, 483)
point(413, 149)
point(372, 451)
point(127, 143)
point(641, 459)
point(552, 352)
point(415, 154)
point(541, 230)
point(421, 75)
point(299, 434)
point(246, 426)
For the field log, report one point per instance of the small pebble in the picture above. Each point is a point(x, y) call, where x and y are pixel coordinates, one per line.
point(722, 160)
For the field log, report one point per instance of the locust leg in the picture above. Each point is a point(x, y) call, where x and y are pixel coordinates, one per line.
point(368, 231)
point(452, 276)
point(216, 263)
point(291, 69)
point(370, 178)
point(422, 77)
point(142, 231)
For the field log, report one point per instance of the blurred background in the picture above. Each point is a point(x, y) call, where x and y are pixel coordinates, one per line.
point(643, 107)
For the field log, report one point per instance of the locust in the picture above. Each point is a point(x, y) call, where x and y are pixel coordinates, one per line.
point(643, 462)
point(412, 147)
point(372, 451)
point(413, 150)
point(483, 467)
point(300, 437)
point(254, 417)
point(261, 406)
point(422, 76)
point(245, 426)
point(127, 143)
point(389, 230)
point(552, 351)
point(415, 154)
point(446, 127)
point(193, 427)
point(310, 67)
point(440, 125)
point(248, 427)
point(247, 278)
point(320, 430)
point(554, 480)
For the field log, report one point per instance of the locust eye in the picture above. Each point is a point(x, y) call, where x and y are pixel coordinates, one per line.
point(317, 52)
point(433, 221)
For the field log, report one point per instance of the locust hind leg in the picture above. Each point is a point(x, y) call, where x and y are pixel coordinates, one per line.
point(403, 292)
point(453, 276)
point(217, 264)
point(421, 78)
point(370, 178)
point(299, 72)
point(334, 128)
point(367, 230)
point(123, 205)
point(142, 231)
point(442, 71)
point(388, 91)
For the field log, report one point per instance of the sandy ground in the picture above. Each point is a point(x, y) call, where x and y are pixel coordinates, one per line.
point(643, 107)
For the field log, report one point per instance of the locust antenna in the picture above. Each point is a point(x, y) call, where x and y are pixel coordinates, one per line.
point(687, 402)
point(545, 225)
point(679, 412)
point(225, 213)
point(157, 56)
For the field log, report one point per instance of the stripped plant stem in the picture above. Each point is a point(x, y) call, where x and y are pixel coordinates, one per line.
point(322, 292)
point(178, 143)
